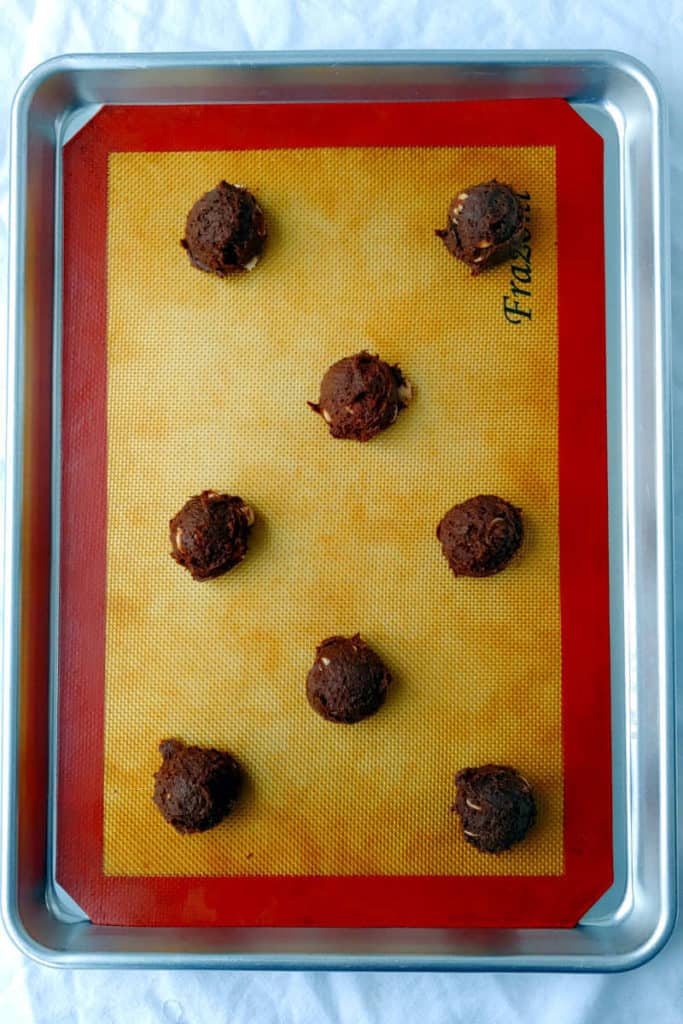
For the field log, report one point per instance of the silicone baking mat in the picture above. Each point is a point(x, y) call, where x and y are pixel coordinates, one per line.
point(187, 382)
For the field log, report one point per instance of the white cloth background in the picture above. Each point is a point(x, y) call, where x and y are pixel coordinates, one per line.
point(33, 30)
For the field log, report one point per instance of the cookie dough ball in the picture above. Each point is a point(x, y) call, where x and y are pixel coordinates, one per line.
point(360, 396)
point(196, 786)
point(485, 225)
point(348, 681)
point(481, 535)
point(209, 534)
point(495, 805)
point(225, 231)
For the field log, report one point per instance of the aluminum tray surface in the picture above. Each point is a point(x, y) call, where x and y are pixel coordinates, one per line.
point(617, 98)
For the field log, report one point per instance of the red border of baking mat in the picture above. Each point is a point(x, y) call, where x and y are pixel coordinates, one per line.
point(584, 587)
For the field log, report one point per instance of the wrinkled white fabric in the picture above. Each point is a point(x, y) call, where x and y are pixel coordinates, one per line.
point(33, 30)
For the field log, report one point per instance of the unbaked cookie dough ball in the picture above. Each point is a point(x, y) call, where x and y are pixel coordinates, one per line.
point(196, 786)
point(481, 535)
point(225, 231)
point(209, 535)
point(348, 681)
point(495, 805)
point(485, 224)
point(360, 396)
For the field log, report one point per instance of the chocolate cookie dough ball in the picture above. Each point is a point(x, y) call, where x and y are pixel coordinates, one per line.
point(481, 535)
point(360, 396)
point(495, 805)
point(196, 786)
point(209, 535)
point(225, 231)
point(485, 225)
point(348, 681)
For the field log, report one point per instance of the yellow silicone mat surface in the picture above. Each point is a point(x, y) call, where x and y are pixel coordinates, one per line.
point(207, 388)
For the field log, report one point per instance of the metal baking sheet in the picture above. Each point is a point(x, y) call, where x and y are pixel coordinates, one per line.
point(618, 98)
